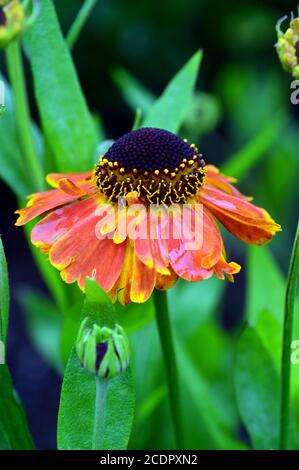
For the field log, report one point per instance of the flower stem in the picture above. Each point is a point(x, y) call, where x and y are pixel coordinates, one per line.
point(99, 413)
point(166, 338)
point(287, 340)
point(16, 75)
point(79, 22)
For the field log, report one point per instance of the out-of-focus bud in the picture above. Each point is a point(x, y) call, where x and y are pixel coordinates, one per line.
point(12, 20)
point(103, 351)
point(287, 46)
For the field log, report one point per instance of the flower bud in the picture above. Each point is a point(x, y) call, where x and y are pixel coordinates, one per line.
point(287, 46)
point(103, 351)
point(12, 20)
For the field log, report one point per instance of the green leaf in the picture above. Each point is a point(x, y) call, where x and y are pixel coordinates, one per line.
point(187, 314)
point(206, 423)
point(105, 416)
point(4, 295)
point(13, 423)
point(169, 111)
point(257, 388)
point(79, 22)
point(44, 324)
point(70, 328)
point(265, 307)
point(133, 317)
point(135, 94)
point(288, 332)
point(77, 410)
point(66, 121)
point(12, 170)
point(265, 286)
point(240, 163)
point(77, 407)
point(270, 332)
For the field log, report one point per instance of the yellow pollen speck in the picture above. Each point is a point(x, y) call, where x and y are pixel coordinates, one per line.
point(173, 174)
point(110, 164)
point(122, 171)
point(156, 172)
point(115, 164)
point(182, 166)
point(191, 162)
point(166, 171)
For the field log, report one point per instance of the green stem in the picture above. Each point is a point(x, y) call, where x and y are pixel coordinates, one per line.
point(166, 338)
point(287, 340)
point(79, 22)
point(99, 413)
point(16, 75)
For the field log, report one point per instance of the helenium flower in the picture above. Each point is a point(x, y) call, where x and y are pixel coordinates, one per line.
point(145, 167)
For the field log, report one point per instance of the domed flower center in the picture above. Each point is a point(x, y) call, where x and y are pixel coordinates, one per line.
point(161, 167)
point(2, 17)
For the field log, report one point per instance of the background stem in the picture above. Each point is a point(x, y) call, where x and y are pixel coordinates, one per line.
point(79, 22)
point(287, 340)
point(32, 165)
point(166, 339)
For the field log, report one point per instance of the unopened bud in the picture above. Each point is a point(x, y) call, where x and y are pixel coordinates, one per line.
point(287, 46)
point(12, 20)
point(103, 351)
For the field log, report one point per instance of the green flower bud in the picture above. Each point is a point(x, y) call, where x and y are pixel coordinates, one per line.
point(103, 351)
point(287, 46)
point(12, 20)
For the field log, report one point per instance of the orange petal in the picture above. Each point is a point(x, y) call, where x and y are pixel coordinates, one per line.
point(136, 281)
point(79, 253)
point(219, 181)
point(196, 264)
point(143, 281)
point(69, 187)
point(121, 289)
point(223, 268)
point(40, 203)
point(164, 282)
point(152, 248)
point(52, 227)
point(53, 178)
point(246, 221)
point(68, 190)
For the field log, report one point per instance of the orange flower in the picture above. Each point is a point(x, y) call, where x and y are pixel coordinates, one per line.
point(101, 223)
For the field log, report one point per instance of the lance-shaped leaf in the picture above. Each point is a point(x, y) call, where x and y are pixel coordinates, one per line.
point(13, 423)
point(66, 121)
point(4, 294)
point(169, 111)
point(14, 433)
point(257, 385)
point(95, 413)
